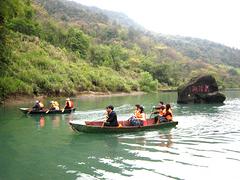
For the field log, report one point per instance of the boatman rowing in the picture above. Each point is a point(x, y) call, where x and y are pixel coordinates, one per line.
point(112, 117)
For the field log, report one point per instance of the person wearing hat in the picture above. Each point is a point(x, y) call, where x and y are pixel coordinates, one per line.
point(54, 105)
point(38, 106)
point(112, 117)
point(68, 104)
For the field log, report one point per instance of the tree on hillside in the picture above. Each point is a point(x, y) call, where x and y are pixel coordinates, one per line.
point(77, 41)
point(8, 10)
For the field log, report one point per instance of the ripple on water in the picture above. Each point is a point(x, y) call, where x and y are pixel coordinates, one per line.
point(204, 144)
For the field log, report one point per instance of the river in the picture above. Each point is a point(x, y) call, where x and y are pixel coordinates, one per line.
point(204, 145)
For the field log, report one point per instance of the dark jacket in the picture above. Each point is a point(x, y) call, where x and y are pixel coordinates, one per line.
point(112, 119)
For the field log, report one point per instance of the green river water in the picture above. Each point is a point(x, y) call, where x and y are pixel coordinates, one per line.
point(204, 145)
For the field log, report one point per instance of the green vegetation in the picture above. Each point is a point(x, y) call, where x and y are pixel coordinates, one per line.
point(57, 47)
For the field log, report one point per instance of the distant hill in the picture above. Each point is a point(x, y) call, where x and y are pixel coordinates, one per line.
point(204, 50)
point(73, 11)
point(195, 48)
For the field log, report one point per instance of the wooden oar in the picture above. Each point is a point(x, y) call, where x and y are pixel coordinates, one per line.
point(47, 111)
point(63, 110)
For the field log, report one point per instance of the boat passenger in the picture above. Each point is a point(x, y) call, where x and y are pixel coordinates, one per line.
point(54, 105)
point(159, 113)
point(142, 115)
point(38, 106)
point(137, 111)
point(68, 104)
point(167, 114)
point(139, 118)
point(112, 117)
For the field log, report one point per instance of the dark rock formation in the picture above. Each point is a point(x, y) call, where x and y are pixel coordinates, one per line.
point(203, 89)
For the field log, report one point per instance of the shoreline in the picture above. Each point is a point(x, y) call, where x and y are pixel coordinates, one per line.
point(20, 99)
point(89, 94)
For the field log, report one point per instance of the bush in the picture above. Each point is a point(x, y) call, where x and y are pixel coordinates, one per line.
point(147, 83)
point(9, 86)
point(24, 26)
point(77, 41)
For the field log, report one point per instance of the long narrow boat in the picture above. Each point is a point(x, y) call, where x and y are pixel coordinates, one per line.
point(96, 126)
point(46, 111)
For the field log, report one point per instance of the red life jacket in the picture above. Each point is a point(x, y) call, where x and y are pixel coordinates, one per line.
point(69, 104)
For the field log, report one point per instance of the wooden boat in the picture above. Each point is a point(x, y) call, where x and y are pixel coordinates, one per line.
point(96, 126)
point(46, 111)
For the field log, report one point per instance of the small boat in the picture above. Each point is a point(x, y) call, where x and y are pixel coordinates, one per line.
point(46, 111)
point(96, 126)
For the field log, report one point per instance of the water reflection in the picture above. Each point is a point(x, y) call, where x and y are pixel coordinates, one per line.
point(41, 122)
point(165, 140)
point(56, 121)
point(53, 121)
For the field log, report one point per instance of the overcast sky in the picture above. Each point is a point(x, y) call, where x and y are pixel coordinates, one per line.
point(215, 20)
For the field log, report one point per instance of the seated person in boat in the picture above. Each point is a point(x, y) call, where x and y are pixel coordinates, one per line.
point(167, 114)
point(54, 105)
point(68, 104)
point(112, 117)
point(137, 111)
point(159, 111)
point(139, 118)
point(38, 106)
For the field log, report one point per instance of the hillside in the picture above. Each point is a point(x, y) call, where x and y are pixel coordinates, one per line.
point(57, 47)
point(204, 50)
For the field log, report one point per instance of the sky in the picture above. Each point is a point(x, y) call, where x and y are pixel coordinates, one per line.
point(214, 20)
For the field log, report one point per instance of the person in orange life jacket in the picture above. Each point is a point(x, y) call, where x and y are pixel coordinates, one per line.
point(137, 110)
point(142, 115)
point(159, 113)
point(167, 114)
point(69, 104)
point(112, 117)
point(138, 120)
point(38, 106)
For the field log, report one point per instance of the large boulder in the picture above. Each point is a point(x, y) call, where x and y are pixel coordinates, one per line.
point(203, 89)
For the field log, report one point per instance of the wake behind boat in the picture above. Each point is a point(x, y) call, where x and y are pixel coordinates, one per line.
point(46, 111)
point(96, 126)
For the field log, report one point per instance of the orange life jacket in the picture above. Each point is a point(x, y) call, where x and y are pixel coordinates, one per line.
point(137, 114)
point(69, 104)
point(168, 115)
point(141, 116)
point(161, 112)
